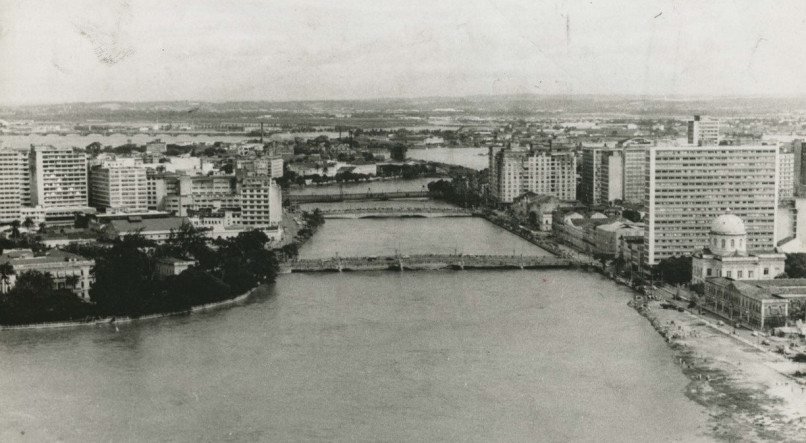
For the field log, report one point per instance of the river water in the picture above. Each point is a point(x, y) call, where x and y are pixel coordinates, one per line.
point(474, 158)
point(414, 356)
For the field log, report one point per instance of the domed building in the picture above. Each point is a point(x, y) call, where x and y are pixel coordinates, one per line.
point(726, 255)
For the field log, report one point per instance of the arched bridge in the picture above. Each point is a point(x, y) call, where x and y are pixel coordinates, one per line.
point(427, 262)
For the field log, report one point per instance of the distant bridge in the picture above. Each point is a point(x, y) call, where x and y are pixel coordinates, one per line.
point(396, 211)
point(325, 198)
point(427, 262)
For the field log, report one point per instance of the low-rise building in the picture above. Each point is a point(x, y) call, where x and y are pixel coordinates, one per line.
point(168, 266)
point(726, 255)
point(745, 301)
point(68, 271)
point(156, 229)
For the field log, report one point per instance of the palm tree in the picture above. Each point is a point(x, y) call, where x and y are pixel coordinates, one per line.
point(42, 228)
point(28, 223)
point(6, 271)
point(15, 229)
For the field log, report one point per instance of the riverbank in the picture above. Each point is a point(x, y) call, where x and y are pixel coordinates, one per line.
point(750, 394)
point(112, 321)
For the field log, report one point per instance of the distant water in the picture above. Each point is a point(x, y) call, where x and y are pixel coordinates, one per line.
point(382, 237)
point(475, 158)
point(413, 356)
point(414, 185)
point(81, 141)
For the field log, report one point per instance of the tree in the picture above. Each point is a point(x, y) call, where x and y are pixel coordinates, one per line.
point(398, 152)
point(795, 265)
point(6, 271)
point(674, 270)
point(42, 228)
point(631, 215)
point(15, 229)
point(28, 223)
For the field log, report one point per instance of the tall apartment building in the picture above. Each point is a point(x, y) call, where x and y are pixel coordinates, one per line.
point(14, 183)
point(703, 131)
point(602, 175)
point(261, 202)
point(119, 189)
point(58, 177)
point(688, 187)
point(634, 168)
point(544, 172)
point(799, 167)
point(786, 172)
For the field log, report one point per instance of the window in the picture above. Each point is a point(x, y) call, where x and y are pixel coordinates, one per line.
point(739, 274)
point(723, 242)
point(750, 274)
point(728, 274)
point(732, 243)
point(766, 271)
point(708, 272)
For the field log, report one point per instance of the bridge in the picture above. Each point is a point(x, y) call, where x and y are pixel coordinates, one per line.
point(395, 211)
point(427, 262)
point(325, 198)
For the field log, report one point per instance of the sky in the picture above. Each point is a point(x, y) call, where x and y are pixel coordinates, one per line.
point(219, 50)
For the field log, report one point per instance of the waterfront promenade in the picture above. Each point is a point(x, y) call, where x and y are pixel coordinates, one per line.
point(427, 262)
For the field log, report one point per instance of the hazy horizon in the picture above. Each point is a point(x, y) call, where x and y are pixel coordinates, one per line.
point(93, 51)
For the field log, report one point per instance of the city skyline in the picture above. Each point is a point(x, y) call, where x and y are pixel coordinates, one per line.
point(303, 51)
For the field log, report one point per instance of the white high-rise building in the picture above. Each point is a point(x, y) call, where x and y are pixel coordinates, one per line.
point(261, 201)
point(119, 189)
point(58, 177)
point(688, 187)
point(545, 172)
point(14, 183)
point(634, 157)
point(703, 131)
point(786, 172)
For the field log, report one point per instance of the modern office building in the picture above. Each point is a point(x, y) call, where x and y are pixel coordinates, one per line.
point(786, 172)
point(703, 131)
point(261, 202)
point(58, 177)
point(269, 166)
point(799, 167)
point(634, 156)
point(14, 183)
point(688, 187)
point(119, 189)
point(602, 175)
point(542, 171)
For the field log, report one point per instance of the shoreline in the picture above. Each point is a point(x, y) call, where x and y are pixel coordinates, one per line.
point(126, 320)
point(746, 391)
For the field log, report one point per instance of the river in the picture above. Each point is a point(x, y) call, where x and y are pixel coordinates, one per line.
point(474, 158)
point(413, 356)
point(396, 185)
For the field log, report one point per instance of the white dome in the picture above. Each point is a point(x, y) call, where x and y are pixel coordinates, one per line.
point(728, 224)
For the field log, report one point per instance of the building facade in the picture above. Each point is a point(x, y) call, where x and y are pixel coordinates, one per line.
point(544, 172)
point(602, 175)
point(634, 168)
point(726, 255)
point(786, 172)
point(68, 271)
point(14, 181)
point(119, 189)
point(58, 177)
point(261, 202)
point(688, 187)
point(703, 131)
